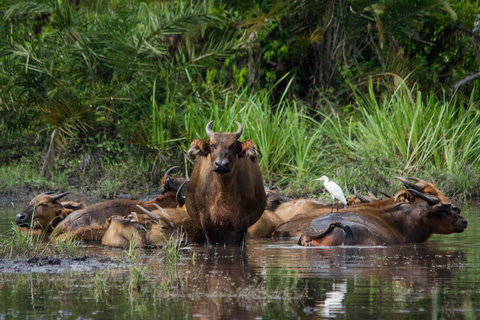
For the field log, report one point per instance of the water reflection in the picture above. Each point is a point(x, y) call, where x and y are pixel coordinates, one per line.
point(333, 303)
point(227, 284)
point(340, 279)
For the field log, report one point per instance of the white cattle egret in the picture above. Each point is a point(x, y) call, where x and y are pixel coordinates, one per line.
point(334, 190)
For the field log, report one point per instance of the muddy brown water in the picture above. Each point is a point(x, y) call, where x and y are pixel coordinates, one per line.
point(266, 279)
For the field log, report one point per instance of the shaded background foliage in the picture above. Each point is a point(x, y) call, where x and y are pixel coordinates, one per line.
point(119, 88)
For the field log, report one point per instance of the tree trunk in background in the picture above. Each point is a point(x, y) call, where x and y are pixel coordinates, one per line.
point(50, 153)
point(254, 59)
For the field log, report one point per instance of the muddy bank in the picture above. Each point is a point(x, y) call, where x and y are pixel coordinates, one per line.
point(55, 265)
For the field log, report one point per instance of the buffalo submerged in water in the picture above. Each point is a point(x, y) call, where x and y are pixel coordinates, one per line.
point(412, 216)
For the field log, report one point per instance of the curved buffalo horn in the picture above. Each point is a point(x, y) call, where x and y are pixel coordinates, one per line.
point(359, 196)
point(164, 216)
point(430, 200)
point(60, 196)
point(239, 131)
point(208, 129)
point(422, 182)
point(409, 184)
point(171, 170)
point(178, 195)
point(370, 193)
point(148, 213)
point(386, 194)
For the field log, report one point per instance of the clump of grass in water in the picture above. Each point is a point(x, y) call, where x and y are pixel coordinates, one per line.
point(136, 272)
point(17, 244)
point(172, 250)
point(66, 247)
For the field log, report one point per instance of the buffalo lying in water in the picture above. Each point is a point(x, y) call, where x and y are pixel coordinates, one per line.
point(139, 228)
point(412, 216)
point(45, 211)
point(89, 223)
point(143, 230)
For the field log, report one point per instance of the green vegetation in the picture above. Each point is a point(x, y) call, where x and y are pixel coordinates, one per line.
point(22, 243)
point(102, 97)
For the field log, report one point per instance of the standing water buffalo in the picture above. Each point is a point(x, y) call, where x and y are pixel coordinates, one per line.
point(225, 193)
point(412, 216)
point(45, 211)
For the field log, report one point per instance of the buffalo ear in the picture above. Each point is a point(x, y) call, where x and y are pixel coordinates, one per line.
point(198, 148)
point(403, 196)
point(107, 222)
point(249, 149)
point(65, 212)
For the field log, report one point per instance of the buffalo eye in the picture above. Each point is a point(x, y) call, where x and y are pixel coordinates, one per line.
point(212, 147)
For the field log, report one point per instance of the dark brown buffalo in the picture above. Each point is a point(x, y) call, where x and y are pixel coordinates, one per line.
point(45, 211)
point(89, 223)
point(170, 184)
point(274, 200)
point(225, 194)
point(143, 230)
point(412, 216)
point(297, 214)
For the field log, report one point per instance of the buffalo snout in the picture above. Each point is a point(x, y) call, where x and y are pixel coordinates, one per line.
point(22, 219)
point(221, 166)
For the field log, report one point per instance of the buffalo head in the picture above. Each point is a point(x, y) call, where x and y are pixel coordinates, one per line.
point(44, 210)
point(443, 215)
point(169, 183)
point(223, 148)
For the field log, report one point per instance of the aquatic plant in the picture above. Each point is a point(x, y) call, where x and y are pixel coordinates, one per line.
point(66, 246)
point(27, 242)
point(172, 250)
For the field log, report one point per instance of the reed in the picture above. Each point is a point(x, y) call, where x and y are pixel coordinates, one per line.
point(18, 243)
point(285, 135)
point(172, 250)
point(397, 134)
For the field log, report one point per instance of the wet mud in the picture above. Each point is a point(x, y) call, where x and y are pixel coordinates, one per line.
point(55, 265)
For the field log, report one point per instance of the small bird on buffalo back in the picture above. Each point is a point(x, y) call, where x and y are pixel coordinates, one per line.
point(334, 190)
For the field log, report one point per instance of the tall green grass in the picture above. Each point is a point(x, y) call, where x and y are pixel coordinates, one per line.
point(18, 244)
point(382, 136)
point(418, 133)
point(393, 134)
point(286, 136)
point(398, 134)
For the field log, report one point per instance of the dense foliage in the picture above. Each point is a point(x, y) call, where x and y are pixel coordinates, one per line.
point(119, 88)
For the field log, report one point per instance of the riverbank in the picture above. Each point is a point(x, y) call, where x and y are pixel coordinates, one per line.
point(381, 137)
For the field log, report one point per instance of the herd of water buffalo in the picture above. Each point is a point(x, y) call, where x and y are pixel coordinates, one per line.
point(225, 202)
